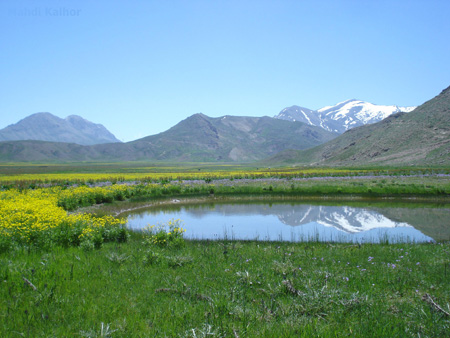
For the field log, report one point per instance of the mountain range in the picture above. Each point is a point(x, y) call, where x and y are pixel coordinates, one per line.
point(421, 137)
point(75, 129)
point(48, 127)
point(342, 116)
point(197, 138)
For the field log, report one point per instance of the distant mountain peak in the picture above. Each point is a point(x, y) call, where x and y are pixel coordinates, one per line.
point(45, 126)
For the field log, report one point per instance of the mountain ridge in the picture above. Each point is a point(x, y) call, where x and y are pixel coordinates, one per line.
point(342, 116)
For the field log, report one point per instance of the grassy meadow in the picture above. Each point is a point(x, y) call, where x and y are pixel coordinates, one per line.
point(67, 272)
point(227, 289)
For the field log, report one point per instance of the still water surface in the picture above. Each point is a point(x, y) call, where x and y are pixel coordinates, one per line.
point(300, 221)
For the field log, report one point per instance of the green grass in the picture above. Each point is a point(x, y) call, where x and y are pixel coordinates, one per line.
point(227, 289)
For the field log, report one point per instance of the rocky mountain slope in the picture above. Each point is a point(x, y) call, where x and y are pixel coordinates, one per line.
point(230, 138)
point(47, 127)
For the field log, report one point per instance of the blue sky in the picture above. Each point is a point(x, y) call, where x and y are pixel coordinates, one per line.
point(139, 67)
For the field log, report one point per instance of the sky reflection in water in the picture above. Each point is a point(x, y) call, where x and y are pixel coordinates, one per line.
point(282, 221)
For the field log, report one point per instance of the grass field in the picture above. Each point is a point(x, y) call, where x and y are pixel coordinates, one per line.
point(69, 273)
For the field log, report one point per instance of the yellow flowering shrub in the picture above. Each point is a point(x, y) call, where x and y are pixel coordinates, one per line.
point(34, 217)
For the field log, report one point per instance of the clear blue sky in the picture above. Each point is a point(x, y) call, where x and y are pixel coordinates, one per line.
point(139, 66)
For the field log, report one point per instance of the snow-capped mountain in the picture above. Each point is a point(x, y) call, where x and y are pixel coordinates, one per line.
point(342, 116)
point(353, 113)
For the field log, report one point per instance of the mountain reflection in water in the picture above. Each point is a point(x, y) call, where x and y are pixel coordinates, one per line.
point(298, 222)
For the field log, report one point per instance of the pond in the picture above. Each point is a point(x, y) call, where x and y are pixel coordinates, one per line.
point(373, 221)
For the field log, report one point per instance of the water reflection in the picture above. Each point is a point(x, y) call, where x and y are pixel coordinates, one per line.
point(300, 222)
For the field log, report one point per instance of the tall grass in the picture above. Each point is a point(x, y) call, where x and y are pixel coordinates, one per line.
point(227, 289)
